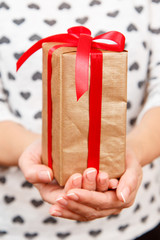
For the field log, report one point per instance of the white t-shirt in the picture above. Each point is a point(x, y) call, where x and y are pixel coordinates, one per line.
point(23, 215)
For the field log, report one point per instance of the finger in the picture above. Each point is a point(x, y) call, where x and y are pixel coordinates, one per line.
point(58, 211)
point(87, 213)
point(102, 182)
point(36, 173)
point(107, 200)
point(89, 179)
point(84, 211)
point(75, 181)
point(31, 166)
point(113, 183)
point(128, 183)
point(49, 191)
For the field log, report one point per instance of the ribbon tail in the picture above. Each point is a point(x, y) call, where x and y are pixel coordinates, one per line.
point(64, 38)
point(95, 109)
point(82, 64)
point(28, 53)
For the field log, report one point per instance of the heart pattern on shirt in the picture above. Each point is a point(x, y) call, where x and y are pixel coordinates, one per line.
point(37, 76)
point(4, 5)
point(82, 20)
point(18, 219)
point(4, 40)
point(9, 199)
point(26, 184)
point(30, 235)
point(154, 30)
point(94, 2)
point(123, 228)
point(95, 233)
point(50, 220)
point(11, 76)
point(37, 203)
point(2, 180)
point(134, 66)
point(18, 55)
point(19, 21)
point(144, 219)
point(50, 22)
point(38, 115)
point(25, 95)
point(131, 28)
point(3, 232)
point(33, 6)
point(156, 1)
point(113, 14)
point(64, 6)
point(63, 235)
point(139, 9)
point(35, 37)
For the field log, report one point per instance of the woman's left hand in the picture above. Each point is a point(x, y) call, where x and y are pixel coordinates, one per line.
point(87, 204)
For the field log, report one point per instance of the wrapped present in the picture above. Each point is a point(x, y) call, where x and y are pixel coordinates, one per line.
point(84, 102)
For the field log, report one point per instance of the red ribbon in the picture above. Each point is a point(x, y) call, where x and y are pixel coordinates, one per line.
point(80, 37)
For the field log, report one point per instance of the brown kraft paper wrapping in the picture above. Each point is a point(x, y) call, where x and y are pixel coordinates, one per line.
point(70, 119)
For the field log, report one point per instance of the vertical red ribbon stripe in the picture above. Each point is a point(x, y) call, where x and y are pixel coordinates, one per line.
point(95, 103)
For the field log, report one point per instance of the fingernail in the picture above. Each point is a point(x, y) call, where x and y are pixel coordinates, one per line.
point(103, 178)
point(125, 194)
point(76, 180)
point(56, 213)
point(91, 175)
point(72, 196)
point(44, 175)
point(114, 187)
point(113, 183)
point(62, 201)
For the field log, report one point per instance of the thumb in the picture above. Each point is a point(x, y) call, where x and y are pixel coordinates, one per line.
point(126, 186)
point(30, 164)
point(128, 183)
point(36, 173)
point(131, 179)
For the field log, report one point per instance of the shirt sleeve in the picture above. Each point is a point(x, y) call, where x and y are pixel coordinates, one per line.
point(6, 113)
point(153, 86)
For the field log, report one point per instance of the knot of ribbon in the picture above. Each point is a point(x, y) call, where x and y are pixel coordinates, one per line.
point(80, 37)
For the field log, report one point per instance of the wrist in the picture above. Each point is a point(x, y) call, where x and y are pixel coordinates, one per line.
point(14, 139)
point(135, 146)
point(28, 139)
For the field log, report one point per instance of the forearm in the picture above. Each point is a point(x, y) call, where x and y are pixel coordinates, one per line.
point(144, 139)
point(14, 139)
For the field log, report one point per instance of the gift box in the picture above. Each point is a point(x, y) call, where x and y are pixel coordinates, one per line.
point(90, 131)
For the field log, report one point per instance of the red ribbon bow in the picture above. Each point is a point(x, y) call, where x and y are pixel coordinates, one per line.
point(80, 37)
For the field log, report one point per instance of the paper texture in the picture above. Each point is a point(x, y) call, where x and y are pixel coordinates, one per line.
point(70, 119)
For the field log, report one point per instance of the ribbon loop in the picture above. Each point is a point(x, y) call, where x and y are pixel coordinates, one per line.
point(114, 36)
point(78, 30)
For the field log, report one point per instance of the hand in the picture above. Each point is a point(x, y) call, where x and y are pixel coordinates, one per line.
point(85, 205)
point(41, 176)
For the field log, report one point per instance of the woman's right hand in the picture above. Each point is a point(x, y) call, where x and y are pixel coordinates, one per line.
point(30, 162)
